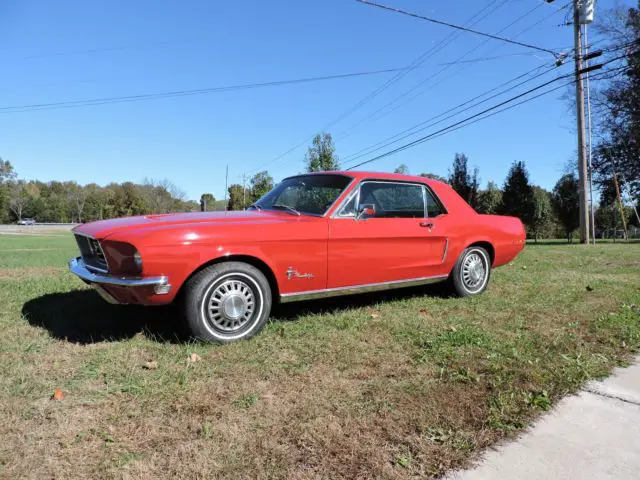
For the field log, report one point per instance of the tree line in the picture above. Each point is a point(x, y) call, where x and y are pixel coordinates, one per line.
point(69, 202)
point(545, 214)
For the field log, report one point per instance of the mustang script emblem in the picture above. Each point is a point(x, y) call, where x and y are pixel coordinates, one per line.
point(293, 273)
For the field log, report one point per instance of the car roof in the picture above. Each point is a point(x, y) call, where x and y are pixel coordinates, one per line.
point(359, 175)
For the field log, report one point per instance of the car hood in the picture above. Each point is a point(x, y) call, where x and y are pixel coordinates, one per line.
point(104, 228)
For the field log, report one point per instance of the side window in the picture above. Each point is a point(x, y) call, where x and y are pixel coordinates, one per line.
point(349, 208)
point(433, 206)
point(393, 200)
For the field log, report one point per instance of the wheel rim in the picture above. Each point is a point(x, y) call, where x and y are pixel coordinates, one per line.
point(474, 271)
point(231, 306)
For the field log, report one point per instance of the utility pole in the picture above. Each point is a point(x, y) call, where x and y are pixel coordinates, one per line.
point(582, 151)
point(226, 183)
point(590, 137)
point(244, 192)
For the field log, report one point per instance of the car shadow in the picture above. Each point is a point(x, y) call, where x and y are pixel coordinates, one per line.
point(81, 316)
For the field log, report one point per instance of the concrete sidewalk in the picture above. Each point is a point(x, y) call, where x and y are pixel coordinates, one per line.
point(595, 435)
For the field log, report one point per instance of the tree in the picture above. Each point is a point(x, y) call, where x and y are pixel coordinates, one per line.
point(237, 197)
point(517, 195)
point(402, 169)
point(321, 156)
point(542, 212)
point(566, 203)
point(433, 176)
point(7, 173)
point(608, 220)
point(617, 107)
point(162, 196)
point(128, 200)
point(462, 182)
point(489, 200)
point(207, 201)
point(78, 198)
point(18, 197)
point(261, 183)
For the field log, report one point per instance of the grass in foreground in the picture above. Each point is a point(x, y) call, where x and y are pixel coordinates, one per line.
point(391, 386)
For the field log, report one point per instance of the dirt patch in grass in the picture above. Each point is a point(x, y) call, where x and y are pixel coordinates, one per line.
point(409, 384)
point(29, 250)
point(22, 273)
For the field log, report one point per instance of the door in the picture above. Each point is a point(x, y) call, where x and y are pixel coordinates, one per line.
point(394, 240)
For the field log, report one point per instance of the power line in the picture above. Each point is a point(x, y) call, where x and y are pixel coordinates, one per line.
point(414, 64)
point(466, 121)
point(527, 100)
point(425, 124)
point(458, 27)
point(181, 93)
point(349, 131)
point(488, 59)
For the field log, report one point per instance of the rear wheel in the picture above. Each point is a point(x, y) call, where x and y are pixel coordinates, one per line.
point(471, 273)
point(227, 302)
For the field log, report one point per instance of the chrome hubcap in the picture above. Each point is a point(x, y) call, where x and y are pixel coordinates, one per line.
point(231, 305)
point(473, 271)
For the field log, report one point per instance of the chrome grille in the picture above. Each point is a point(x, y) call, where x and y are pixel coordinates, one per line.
point(92, 253)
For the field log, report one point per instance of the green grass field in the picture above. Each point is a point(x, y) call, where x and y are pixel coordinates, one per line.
point(411, 383)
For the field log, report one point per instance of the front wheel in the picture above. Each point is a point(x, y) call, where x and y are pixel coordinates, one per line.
point(227, 302)
point(470, 275)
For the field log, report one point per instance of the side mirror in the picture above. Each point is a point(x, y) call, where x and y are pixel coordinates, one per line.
point(366, 210)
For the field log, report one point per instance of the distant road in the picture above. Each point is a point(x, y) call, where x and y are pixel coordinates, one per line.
point(38, 229)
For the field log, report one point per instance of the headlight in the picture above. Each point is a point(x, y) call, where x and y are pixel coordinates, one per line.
point(137, 260)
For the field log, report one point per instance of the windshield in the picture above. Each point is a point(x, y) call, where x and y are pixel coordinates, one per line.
point(306, 194)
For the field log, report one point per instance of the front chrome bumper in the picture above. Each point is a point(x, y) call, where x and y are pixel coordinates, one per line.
point(160, 284)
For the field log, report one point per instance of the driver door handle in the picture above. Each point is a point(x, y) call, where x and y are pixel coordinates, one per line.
point(427, 224)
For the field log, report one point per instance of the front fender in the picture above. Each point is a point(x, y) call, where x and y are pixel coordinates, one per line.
point(179, 263)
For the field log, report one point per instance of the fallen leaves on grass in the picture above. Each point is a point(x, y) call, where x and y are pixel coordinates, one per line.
point(57, 394)
point(150, 365)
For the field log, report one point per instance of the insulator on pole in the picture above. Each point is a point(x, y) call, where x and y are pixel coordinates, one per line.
point(591, 68)
point(594, 54)
point(587, 11)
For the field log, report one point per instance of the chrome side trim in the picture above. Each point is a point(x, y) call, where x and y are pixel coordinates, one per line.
point(77, 267)
point(446, 250)
point(355, 289)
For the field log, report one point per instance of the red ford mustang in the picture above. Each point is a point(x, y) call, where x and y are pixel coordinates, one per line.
point(314, 235)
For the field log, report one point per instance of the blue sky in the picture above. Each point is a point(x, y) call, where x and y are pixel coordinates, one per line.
point(74, 50)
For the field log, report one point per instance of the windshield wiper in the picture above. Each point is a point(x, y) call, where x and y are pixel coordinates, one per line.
point(254, 205)
point(289, 209)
